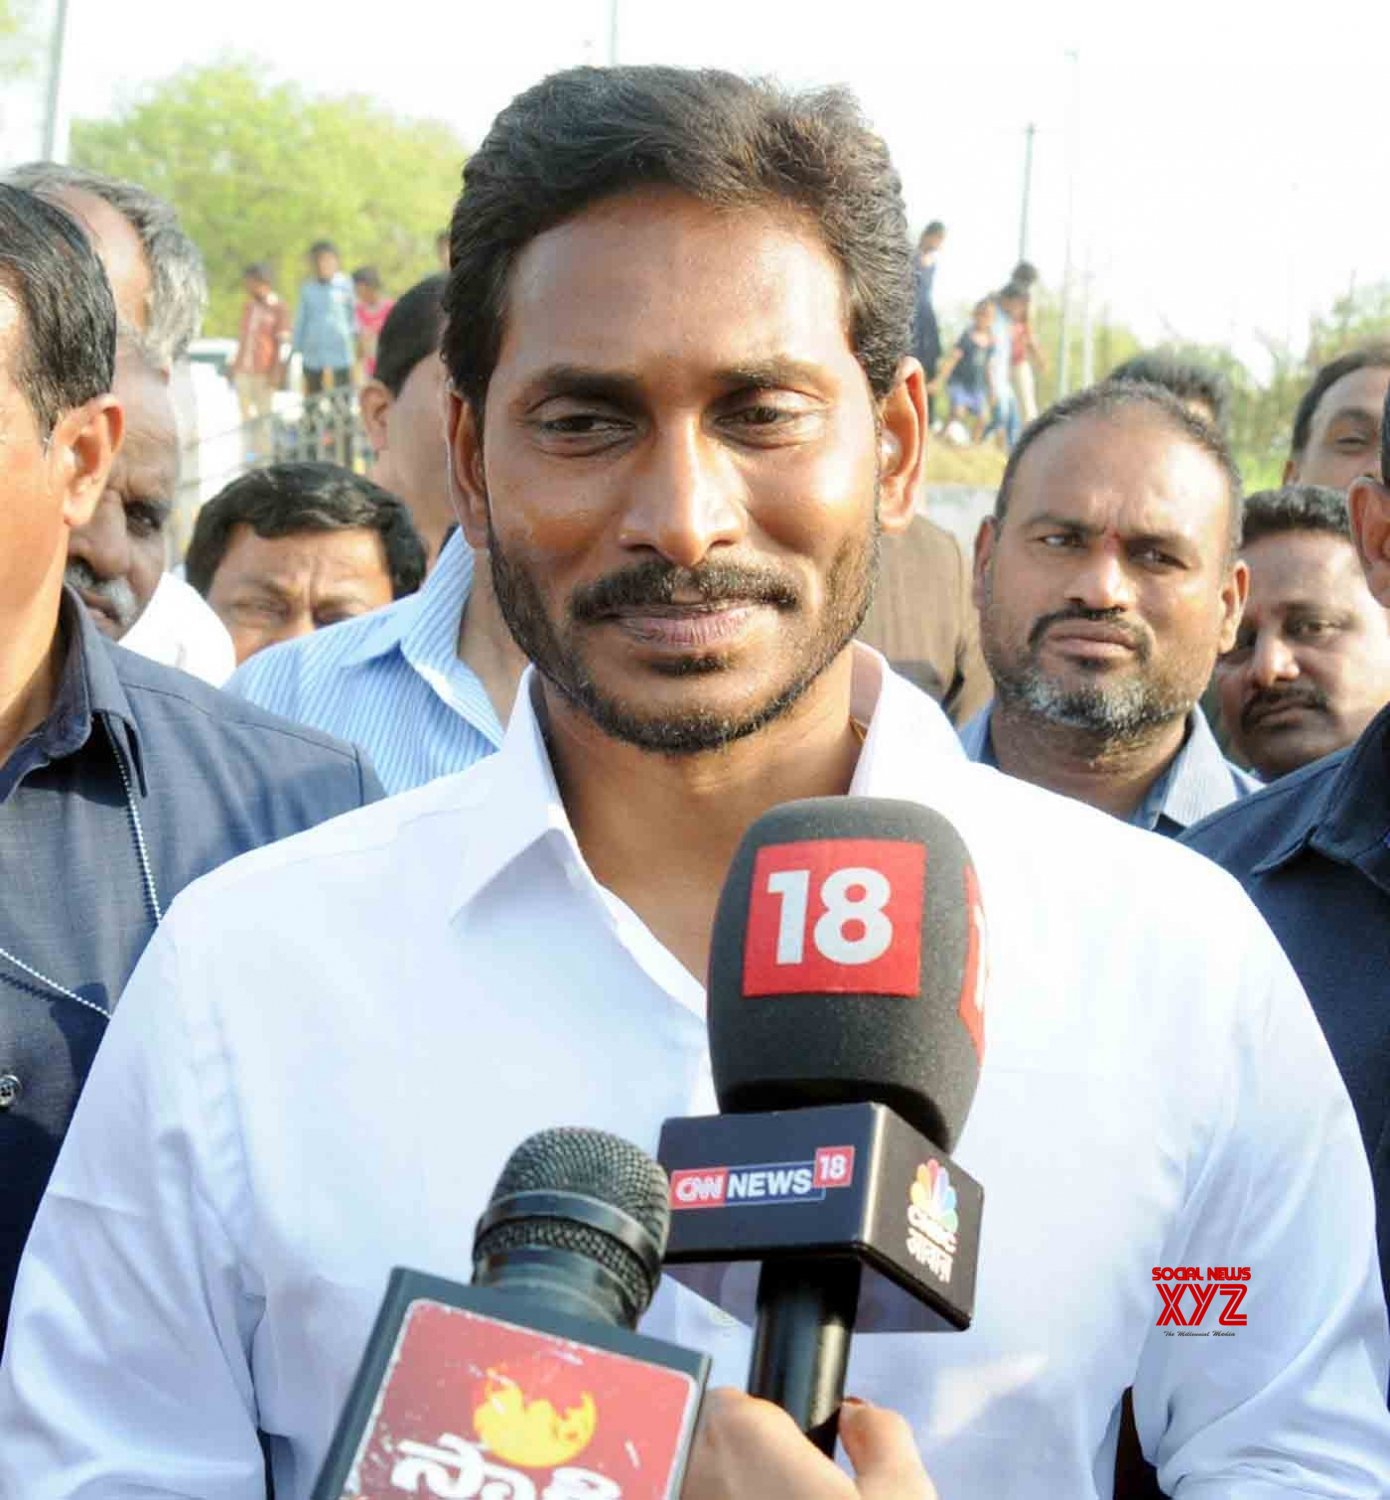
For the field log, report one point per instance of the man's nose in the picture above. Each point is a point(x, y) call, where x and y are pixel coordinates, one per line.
point(685, 496)
point(104, 542)
point(1101, 581)
point(1272, 660)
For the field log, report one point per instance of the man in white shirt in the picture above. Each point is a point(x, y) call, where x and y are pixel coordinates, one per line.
point(678, 316)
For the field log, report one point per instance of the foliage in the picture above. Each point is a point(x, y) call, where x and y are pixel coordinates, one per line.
point(18, 39)
point(258, 170)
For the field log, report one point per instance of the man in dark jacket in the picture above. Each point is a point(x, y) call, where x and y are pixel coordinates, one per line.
point(120, 781)
point(1313, 851)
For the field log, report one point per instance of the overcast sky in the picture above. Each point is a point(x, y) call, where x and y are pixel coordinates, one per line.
point(1230, 171)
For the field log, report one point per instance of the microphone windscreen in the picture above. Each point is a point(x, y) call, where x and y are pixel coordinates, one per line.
point(846, 964)
point(588, 1193)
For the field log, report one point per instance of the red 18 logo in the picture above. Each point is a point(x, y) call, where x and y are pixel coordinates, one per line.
point(836, 916)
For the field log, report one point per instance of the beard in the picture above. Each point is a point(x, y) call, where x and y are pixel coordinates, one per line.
point(558, 649)
point(1116, 712)
point(115, 593)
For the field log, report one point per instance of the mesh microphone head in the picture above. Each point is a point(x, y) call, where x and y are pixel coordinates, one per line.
point(846, 963)
point(589, 1195)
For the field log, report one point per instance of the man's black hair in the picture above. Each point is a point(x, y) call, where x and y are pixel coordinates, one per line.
point(323, 247)
point(588, 134)
point(935, 227)
point(1188, 379)
point(1374, 355)
point(366, 276)
point(66, 348)
point(284, 499)
point(1110, 398)
point(411, 332)
point(1024, 275)
point(1295, 507)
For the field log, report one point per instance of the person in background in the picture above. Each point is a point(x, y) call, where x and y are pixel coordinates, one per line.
point(1205, 392)
point(1337, 425)
point(373, 308)
point(1025, 354)
point(258, 366)
point(1108, 582)
point(425, 685)
point(290, 548)
point(1004, 409)
point(965, 373)
point(325, 333)
point(1313, 852)
point(923, 618)
point(117, 559)
point(403, 412)
point(1310, 667)
point(120, 780)
point(926, 332)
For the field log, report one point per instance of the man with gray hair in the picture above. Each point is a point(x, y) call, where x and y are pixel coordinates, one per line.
point(157, 278)
point(1108, 582)
point(160, 285)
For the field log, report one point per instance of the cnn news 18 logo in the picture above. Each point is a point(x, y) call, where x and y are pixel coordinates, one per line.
point(844, 916)
point(1188, 1296)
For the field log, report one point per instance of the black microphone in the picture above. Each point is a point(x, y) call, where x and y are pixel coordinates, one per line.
point(530, 1381)
point(846, 1035)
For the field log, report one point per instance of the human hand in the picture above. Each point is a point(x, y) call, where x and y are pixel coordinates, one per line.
point(747, 1449)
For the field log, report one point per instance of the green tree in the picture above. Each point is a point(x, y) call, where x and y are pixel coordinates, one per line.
point(18, 40)
point(258, 170)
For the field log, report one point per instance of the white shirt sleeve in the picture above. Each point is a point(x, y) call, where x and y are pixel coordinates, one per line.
point(126, 1370)
point(1293, 1401)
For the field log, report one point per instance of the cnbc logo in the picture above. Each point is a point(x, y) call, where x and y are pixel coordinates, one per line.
point(932, 1220)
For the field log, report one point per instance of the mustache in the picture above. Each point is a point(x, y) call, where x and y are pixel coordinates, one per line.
point(658, 583)
point(1114, 618)
point(1268, 698)
point(115, 593)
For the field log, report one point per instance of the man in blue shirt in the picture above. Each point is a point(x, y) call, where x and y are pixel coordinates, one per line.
point(426, 684)
point(1313, 851)
point(1108, 582)
point(120, 780)
point(324, 327)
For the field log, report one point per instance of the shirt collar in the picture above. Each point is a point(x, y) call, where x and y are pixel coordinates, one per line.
point(424, 626)
point(1197, 781)
point(88, 688)
point(518, 789)
point(1347, 816)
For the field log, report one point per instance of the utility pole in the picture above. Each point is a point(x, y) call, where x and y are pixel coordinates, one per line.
point(1073, 152)
point(1028, 134)
point(55, 145)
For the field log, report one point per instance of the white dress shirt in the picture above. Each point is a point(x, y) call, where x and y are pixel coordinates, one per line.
point(178, 628)
point(332, 1044)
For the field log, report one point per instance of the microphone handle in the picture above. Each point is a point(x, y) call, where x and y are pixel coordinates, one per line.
point(806, 1312)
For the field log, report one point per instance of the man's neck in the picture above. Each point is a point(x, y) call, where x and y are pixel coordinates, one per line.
point(1115, 777)
point(31, 661)
point(485, 645)
point(660, 831)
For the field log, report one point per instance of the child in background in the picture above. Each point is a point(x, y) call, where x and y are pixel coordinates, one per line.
point(373, 308)
point(965, 372)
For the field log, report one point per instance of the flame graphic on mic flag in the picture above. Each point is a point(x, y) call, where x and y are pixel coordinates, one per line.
point(532, 1434)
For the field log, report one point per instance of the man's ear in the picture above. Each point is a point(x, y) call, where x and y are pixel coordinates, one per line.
point(1235, 590)
point(985, 539)
point(83, 445)
point(375, 401)
point(467, 480)
point(1368, 502)
point(902, 447)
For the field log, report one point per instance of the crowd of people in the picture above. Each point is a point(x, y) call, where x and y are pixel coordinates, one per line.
point(386, 825)
point(989, 373)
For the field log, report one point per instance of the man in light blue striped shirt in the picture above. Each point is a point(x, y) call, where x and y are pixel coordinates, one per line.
point(424, 684)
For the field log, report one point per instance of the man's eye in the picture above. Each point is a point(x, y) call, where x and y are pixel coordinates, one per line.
point(1060, 539)
point(1158, 558)
point(579, 424)
point(1312, 630)
point(763, 415)
point(1354, 442)
point(145, 520)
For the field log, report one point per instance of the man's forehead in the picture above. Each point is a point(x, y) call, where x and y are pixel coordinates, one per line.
point(119, 247)
point(1359, 392)
point(1128, 457)
point(650, 257)
point(1300, 563)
